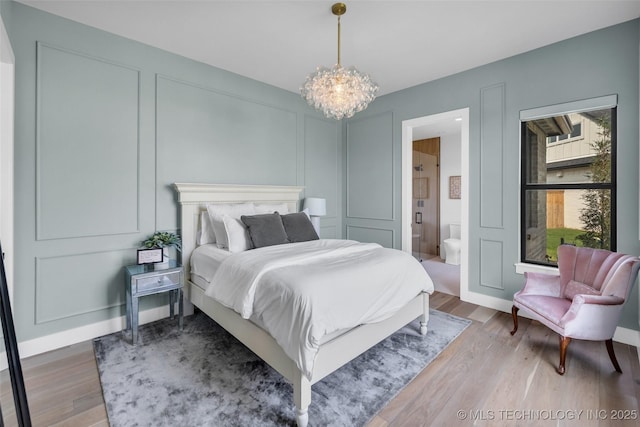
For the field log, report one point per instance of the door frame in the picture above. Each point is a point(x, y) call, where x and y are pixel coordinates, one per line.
point(407, 182)
point(7, 107)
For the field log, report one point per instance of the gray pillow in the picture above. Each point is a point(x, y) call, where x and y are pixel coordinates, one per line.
point(298, 227)
point(265, 229)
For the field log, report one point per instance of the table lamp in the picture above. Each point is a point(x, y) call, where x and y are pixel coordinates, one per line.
point(317, 207)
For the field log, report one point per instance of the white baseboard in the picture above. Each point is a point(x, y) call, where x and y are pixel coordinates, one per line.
point(622, 335)
point(85, 333)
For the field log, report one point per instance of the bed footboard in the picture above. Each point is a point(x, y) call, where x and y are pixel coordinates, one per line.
point(194, 199)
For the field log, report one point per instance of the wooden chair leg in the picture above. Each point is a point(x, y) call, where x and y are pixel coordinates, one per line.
point(612, 355)
point(514, 313)
point(564, 343)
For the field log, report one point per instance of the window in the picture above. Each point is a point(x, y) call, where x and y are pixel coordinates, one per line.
point(568, 190)
point(576, 131)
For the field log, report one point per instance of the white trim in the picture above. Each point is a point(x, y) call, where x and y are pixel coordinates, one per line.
point(7, 107)
point(627, 336)
point(488, 301)
point(524, 267)
point(82, 333)
point(407, 146)
point(590, 104)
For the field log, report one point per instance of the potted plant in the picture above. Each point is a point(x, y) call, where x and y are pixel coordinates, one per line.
point(163, 240)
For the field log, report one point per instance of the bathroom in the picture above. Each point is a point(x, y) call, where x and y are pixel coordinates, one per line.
point(436, 205)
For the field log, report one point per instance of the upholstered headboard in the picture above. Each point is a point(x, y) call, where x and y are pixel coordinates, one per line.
point(194, 198)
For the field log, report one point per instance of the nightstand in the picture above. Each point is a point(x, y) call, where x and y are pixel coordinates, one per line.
point(143, 280)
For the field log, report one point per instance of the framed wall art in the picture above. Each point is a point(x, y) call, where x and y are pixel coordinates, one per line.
point(454, 187)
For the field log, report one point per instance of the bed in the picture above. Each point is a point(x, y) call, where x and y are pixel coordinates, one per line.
point(332, 352)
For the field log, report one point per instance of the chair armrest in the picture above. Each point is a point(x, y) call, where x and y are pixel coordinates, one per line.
point(541, 284)
point(597, 299)
point(592, 317)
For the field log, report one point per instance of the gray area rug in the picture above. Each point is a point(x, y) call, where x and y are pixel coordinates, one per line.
point(205, 377)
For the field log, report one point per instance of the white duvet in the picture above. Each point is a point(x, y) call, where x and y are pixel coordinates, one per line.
point(301, 292)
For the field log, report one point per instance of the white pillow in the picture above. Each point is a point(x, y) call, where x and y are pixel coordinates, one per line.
point(281, 208)
point(205, 234)
point(237, 233)
point(233, 210)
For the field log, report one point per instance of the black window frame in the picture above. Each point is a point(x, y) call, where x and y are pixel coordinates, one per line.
point(525, 186)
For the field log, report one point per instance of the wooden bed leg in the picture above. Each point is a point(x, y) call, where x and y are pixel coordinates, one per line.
point(424, 318)
point(302, 398)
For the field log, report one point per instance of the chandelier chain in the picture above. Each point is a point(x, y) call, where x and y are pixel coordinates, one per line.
point(339, 92)
point(338, 40)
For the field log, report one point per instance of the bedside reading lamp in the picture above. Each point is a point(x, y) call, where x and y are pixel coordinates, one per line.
point(317, 208)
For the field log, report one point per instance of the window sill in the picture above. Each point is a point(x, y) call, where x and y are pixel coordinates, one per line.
point(523, 267)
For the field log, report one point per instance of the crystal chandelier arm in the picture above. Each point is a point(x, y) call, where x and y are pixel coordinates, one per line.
point(339, 92)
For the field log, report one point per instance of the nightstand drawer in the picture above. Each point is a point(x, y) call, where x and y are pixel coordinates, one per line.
point(155, 282)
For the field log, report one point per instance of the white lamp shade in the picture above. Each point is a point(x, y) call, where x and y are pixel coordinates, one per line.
point(316, 206)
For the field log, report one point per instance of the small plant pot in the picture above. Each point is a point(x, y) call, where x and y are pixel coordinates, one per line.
point(165, 260)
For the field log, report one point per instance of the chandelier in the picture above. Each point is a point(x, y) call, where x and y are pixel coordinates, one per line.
point(339, 92)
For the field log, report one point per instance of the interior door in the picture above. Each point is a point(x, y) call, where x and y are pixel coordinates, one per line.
point(427, 156)
point(431, 217)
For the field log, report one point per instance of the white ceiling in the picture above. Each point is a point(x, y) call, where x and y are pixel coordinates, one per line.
point(399, 43)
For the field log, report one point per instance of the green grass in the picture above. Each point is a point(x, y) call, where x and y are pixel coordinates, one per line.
point(554, 236)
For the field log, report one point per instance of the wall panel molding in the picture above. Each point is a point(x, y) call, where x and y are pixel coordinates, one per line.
point(87, 145)
point(381, 235)
point(207, 135)
point(160, 76)
point(370, 168)
point(492, 118)
point(329, 232)
point(76, 284)
point(322, 163)
point(491, 264)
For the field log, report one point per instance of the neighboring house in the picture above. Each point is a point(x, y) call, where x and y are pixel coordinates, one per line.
point(569, 159)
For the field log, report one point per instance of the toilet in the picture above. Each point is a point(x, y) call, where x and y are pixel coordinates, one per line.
point(452, 245)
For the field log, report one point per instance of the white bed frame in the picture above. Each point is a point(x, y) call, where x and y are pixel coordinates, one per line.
point(193, 199)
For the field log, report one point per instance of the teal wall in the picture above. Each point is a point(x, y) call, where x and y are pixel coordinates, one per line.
point(5, 11)
point(104, 126)
point(600, 63)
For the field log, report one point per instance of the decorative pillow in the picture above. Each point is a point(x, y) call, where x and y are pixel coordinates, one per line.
point(281, 208)
point(237, 234)
point(205, 234)
point(265, 229)
point(574, 288)
point(298, 227)
point(234, 210)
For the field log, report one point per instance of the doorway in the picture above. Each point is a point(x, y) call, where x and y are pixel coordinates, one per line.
point(413, 130)
point(426, 198)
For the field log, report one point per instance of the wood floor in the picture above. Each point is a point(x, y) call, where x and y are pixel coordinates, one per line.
point(485, 377)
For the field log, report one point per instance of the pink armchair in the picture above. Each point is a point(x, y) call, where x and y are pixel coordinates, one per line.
point(585, 301)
